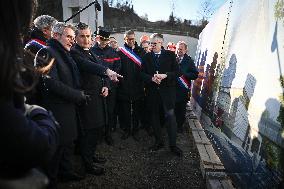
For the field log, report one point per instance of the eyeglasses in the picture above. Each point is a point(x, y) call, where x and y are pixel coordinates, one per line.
point(70, 37)
point(154, 43)
point(130, 39)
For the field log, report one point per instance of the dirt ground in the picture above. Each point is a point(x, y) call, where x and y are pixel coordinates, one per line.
point(131, 165)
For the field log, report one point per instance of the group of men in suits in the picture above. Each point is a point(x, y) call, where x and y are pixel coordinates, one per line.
point(87, 85)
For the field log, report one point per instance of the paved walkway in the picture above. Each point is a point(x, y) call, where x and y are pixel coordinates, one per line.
point(131, 165)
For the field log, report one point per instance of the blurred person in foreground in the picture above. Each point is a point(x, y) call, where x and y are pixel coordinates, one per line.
point(28, 134)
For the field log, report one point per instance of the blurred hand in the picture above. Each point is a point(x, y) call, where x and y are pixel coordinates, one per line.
point(29, 108)
point(113, 76)
point(104, 92)
point(87, 98)
point(160, 76)
point(156, 80)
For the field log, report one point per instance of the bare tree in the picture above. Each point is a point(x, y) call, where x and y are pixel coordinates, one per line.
point(206, 9)
point(145, 17)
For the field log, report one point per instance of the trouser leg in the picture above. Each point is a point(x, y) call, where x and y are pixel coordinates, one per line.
point(52, 168)
point(125, 115)
point(66, 165)
point(111, 104)
point(88, 146)
point(155, 123)
point(170, 121)
point(180, 111)
point(136, 114)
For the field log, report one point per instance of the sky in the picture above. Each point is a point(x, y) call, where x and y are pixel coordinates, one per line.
point(161, 9)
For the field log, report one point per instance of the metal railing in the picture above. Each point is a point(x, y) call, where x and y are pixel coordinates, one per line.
point(150, 30)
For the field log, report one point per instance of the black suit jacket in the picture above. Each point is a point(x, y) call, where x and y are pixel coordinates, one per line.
point(190, 72)
point(61, 90)
point(167, 89)
point(91, 114)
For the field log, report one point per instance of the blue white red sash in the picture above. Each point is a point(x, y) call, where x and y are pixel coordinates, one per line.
point(183, 82)
point(136, 59)
point(38, 43)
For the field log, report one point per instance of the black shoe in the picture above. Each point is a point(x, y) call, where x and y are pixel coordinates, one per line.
point(135, 136)
point(180, 130)
point(156, 147)
point(176, 150)
point(98, 159)
point(95, 170)
point(71, 176)
point(125, 135)
point(149, 131)
point(109, 140)
point(113, 129)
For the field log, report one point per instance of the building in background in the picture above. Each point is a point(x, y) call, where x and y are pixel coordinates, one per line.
point(88, 16)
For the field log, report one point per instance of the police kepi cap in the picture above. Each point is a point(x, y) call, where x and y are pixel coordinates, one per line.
point(103, 34)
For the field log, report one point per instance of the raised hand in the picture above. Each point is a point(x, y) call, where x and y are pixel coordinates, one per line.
point(113, 75)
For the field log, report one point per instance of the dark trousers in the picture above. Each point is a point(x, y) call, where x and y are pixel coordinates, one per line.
point(88, 144)
point(111, 114)
point(60, 164)
point(180, 111)
point(129, 115)
point(170, 122)
point(145, 122)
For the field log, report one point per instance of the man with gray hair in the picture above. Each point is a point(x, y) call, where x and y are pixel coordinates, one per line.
point(60, 94)
point(39, 34)
point(159, 72)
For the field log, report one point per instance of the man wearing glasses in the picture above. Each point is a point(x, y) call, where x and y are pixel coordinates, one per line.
point(60, 94)
point(159, 72)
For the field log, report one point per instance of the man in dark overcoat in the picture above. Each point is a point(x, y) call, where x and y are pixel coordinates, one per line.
point(130, 90)
point(159, 72)
point(61, 94)
point(189, 72)
point(92, 114)
point(109, 58)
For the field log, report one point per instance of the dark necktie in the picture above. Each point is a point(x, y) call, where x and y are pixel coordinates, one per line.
point(156, 60)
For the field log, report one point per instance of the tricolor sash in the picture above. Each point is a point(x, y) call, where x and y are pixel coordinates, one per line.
point(136, 59)
point(40, 44)
point(183, 82)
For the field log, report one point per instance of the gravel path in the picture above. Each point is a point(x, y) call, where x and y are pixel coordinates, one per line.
point(131, 165)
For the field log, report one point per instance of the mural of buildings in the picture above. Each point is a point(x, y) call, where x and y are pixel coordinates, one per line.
point(241, 90)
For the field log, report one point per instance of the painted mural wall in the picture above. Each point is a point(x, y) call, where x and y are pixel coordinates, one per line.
point(240, 57)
